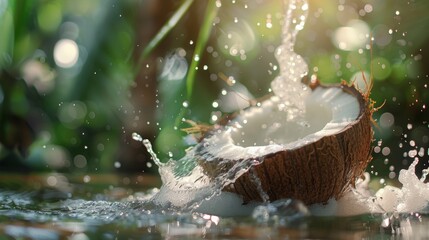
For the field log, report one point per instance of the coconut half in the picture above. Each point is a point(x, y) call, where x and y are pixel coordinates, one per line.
point(312, 159)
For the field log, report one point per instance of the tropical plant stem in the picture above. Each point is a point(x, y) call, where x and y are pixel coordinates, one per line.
point(168, 26)
point(203, 36)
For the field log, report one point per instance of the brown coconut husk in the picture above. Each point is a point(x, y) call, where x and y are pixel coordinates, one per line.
point(312, 173)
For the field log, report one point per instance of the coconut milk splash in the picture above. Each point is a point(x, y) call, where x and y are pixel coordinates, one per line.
point(187, 188)
point(293, 67)
point(412, 196)
point(288, 84)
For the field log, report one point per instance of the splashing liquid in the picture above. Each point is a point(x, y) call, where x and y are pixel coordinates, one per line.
point(413, 196)
point(293, 67)
point(187, 188)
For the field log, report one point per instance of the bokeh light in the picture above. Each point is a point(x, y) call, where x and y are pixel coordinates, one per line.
point(49, 16)
point(352, 36)
point(236, 39)
point(387, 120)
point(69, 30)
point(39, 75)
point(381, 68)
point(66, 53)
point(72, 114)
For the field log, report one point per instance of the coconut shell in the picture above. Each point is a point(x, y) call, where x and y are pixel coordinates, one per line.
point(313, 173)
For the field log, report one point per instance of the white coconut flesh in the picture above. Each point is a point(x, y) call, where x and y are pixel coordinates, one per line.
point(265, 129)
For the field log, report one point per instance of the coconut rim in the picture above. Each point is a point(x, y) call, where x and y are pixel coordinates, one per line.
point(214, 143)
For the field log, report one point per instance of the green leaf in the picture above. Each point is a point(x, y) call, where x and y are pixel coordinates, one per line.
point(203, 36)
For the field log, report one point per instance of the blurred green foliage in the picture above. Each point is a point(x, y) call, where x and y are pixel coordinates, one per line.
point(144, 66)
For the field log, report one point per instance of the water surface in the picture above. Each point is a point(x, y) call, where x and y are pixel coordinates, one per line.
point(105, 211)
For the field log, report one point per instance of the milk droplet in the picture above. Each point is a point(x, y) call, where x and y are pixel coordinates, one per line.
point(149, 149)
point(137, 137)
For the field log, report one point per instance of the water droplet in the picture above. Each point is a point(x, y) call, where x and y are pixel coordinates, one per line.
point(368, 8)
point(51, 181)
point(385, 151)
point(80, 161)
point(421, 152)
point(149, 149)
point(377, 149)
point(425, 173)
point(218, 3)
point(386, 222)
point(412, 153)
point(137, 136)
point(86, 179)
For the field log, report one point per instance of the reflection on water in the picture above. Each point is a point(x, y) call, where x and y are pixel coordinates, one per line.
point(51, 214)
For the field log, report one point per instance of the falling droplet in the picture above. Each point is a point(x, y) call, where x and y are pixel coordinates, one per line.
point(137, 137)
point(117, 164)
point(149, 149)
point(425, 173)
point(218, 3)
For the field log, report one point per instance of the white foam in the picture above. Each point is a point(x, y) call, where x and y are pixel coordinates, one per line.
point(412, 196)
